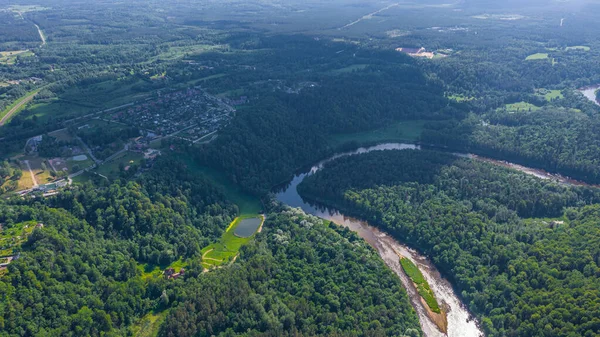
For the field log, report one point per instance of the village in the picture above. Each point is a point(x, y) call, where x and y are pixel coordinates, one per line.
point(120, 143)
point(190, 114)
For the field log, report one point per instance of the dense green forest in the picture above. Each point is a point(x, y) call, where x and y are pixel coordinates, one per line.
point(487, 229)
point(300, 278)
point(557, 139)
point(502, 81)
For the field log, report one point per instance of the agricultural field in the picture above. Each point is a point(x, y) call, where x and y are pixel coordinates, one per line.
point(405, 131)
point(538, 56)
point(10, 57)
point(227, 248)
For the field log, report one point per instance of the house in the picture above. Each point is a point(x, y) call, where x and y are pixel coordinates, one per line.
point(151, 154)
point(171, 274)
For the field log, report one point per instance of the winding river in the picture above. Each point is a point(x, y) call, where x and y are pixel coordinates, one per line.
point(460, 322)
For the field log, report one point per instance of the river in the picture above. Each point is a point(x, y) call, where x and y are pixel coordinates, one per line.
point(590, 93)
point(460, 321)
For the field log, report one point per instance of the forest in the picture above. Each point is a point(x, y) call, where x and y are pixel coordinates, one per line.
point(83, 273)
point(522, 251)
point(503, 81)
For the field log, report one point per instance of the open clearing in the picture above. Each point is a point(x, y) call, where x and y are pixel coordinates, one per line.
point(550, 95)
point(16, 107)
point(349, 69)
point(581, 48)
point(11, 238)
point(227, 248)
point(520, 107)
point(148, 326)
point(460, 98)
point(247, 203)
point(10, 57)
point(111, 168)
point(405, 131)
point(538, 56)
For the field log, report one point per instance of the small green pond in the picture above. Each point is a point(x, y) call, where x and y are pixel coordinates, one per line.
point(247, 227)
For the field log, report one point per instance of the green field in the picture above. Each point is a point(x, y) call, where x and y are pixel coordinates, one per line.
point(185, 51)
point(582, 48)
point(12, 238)
point(538, 56)
point(349, 69)
point(247, 203)
point(19, 104)
point(520, 107)
point(57, 108)
point(422, 286)
point(10, 57)
point(149, 325)
point(81, 164)
point(460, 98)
point(406, 131)
point(111, 169)
point(224, 251)
point(550, 95)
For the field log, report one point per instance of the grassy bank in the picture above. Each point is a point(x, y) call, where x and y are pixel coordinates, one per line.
point(227, 248)
point(423, 288)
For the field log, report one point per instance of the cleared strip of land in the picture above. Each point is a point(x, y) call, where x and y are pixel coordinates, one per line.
point(19, 104)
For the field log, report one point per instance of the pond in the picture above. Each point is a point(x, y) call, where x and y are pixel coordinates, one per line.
point(247, 227)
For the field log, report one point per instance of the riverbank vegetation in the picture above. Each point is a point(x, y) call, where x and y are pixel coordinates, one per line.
point(421, 284)
point(520, 276)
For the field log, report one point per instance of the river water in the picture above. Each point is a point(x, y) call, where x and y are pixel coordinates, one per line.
point(590, 93)
point(460, 321)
